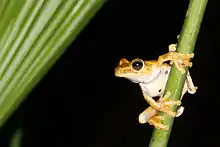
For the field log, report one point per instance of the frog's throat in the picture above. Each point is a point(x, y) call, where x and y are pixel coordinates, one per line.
point(153, 79)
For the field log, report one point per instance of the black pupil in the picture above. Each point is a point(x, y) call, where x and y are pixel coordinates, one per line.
point(137, 65)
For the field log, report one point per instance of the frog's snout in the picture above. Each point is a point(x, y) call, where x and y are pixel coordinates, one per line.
point(117, 72)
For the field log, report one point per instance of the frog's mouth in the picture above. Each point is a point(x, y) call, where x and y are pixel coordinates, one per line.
point(143, 78)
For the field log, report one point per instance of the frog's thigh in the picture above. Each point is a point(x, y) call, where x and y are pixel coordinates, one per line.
point(146, 115)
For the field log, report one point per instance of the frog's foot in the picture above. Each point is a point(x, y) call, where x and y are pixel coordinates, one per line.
point(177, 60)
point(172, 48)
point(165, 105)
point(183, 60)
point(180, 60)
point(156, 122)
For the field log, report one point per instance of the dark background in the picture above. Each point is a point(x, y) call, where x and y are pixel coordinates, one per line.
point(80, 102)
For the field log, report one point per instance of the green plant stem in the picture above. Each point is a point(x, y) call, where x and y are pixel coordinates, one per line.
point(176, 80)
point(33, 35)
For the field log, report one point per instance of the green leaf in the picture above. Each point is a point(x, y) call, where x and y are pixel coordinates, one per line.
point(33, 35)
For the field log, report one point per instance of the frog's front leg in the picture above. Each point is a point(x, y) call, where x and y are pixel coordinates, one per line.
point(163, 105)
point(180, 60)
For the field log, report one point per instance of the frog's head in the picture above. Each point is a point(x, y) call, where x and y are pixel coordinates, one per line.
point(138, 71)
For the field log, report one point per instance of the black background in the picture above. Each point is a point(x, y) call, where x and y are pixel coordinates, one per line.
point(80, 102)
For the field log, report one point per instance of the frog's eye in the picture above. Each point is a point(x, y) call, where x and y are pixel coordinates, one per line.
point(137, 64)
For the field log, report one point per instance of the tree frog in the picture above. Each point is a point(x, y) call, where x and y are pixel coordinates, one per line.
point(152, 77)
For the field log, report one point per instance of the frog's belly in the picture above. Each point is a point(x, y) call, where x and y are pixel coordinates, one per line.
point(155, 88)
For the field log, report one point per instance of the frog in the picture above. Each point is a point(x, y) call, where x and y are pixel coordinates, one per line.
point(152, 76)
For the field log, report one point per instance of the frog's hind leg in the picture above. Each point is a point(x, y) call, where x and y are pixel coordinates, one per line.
point(188, 86)
point(148, 113)
point(163, 104)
